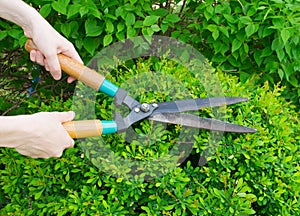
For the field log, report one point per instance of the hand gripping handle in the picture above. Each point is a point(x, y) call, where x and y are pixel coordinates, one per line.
point(80, 72)
point(89, 128)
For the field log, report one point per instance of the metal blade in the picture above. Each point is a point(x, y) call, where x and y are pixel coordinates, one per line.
point(196, 104)
point(198, 122)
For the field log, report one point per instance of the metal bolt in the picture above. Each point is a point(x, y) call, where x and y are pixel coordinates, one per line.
point(145, 107)
point(136, 109)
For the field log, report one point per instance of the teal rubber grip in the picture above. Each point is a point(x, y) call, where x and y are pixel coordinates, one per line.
point(108, 88)
point(109, 127)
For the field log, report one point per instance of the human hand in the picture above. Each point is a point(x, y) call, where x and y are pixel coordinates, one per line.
point(42, 134)
point(49, 43)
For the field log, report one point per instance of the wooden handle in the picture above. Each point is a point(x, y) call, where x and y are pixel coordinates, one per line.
point(84, 128)
point(75, 69)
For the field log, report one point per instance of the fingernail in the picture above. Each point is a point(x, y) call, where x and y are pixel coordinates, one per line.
point(56, 77)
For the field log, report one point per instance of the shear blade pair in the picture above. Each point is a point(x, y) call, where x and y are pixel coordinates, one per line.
point(173, 113)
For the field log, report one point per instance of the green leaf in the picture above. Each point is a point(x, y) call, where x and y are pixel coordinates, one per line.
point(277, 44)
point(169, 207)
point(138, 24)
point(248, 211)
point(38, 194)
point(72, 10)
point(61, 6)
point(236, 44)
point(245, 20)
point(155, 28)
point(67, 177)
point(107, 40)
point(230, 18)
point(3, 34)
point(66, 29)
point(150, 20)
point(109, 26)
point(83, 11)
point(215, 34)
point(172, 18)
point(285, 35)
point(212, 27)
point(280, 73)
point(267, 51)
point(280, 54)
point(15, 33)
point(224, 30)
point(251, 197)
point(160, 12)
point(164, 27)
point(130, 19)
point(131, 32)
point(251, 29)
point(147, 31)
point(91, 28)
point(90, 44)
point(120, 26)
point(45, 10)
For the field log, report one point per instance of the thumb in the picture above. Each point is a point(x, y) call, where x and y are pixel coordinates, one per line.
point(64, 116)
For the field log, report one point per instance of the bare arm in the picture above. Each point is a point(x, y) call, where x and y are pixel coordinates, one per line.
point(40, 135)
point(48, 41)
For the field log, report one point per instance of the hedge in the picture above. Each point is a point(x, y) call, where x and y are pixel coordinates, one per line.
point(243, 175)
point(241, 37)
point(248, 173)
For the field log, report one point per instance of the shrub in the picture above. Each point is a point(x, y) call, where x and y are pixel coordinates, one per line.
point(248, 174)
point(241, 37)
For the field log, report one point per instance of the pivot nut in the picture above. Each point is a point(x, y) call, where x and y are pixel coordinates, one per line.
point(145, 107)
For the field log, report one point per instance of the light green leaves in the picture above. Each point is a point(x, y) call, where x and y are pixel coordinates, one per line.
point(236, 44)
point(92, 28)
point(150, 20)
point(130, 19)
point(60, 6)
point(251, 29)
point(107, 40)
point(172, 18)
point(285, 35)
point(45, 10)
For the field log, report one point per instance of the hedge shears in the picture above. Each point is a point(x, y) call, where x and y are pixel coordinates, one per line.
point(173, 112)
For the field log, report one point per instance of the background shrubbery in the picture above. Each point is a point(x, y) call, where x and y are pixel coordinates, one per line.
point(256, 41)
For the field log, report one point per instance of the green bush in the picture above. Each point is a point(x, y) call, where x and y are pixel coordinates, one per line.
point(242, 37)
point(248, 174)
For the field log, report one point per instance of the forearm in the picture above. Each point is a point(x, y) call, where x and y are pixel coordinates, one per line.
point(10, 131)
point(21, 14)
point(37, 135)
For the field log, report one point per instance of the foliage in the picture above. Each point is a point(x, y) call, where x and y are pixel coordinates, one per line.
point(248, 174)
point(250, 37)
point(242, 37)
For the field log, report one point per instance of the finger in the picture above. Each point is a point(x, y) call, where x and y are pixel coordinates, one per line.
point(39, 58)
point(53, 66)
point(71, 79)
point(71, 143)
point(72, 53)
point(47, 67)
point(32, 55)
point(64, 116)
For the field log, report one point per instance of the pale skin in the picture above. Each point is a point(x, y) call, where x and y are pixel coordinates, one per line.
point(40, 135)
